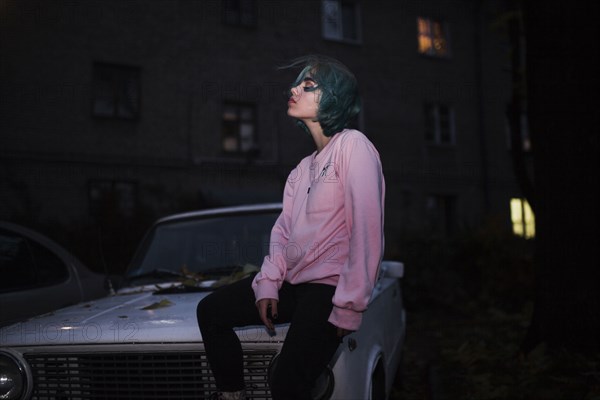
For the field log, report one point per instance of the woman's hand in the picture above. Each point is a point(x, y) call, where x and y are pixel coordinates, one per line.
point(267, 309)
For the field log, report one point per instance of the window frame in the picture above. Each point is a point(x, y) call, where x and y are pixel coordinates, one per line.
point(525, 135)
point(111, 187)
point(119, 76)
point(238, 20)
point(445, 29)
point(442, 217)
point(522, 218)
point(239, 106)
point(339, 36)
point(437, 124)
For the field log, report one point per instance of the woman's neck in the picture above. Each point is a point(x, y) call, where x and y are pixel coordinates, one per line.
point(318, 136)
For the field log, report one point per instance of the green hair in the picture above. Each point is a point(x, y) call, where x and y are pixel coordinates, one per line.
point(339, 99)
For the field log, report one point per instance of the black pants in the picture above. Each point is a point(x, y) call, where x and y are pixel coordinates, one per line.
point(310, 343)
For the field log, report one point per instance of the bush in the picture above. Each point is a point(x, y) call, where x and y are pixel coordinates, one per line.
point(488, 265)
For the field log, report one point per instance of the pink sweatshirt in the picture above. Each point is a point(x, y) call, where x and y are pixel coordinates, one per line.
point(331, 227)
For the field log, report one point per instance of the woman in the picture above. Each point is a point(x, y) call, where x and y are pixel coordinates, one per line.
point(325, 250)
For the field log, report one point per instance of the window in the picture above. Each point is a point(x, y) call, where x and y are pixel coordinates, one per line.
point(524, 127)
point(432, 37)
point(441, 213)
point(25, 263)
point(239, 12)
point(523, 220)
point(341, 20)
point(239, 128)
point(116, 91)
point(439, 123)
point(108, 197)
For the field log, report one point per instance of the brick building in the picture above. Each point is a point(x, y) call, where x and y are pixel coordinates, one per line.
point(171, 105)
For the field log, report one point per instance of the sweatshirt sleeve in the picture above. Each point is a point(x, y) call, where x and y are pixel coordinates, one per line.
point(364, 188)
point(268, 281)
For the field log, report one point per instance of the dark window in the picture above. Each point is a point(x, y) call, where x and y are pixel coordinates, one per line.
point(239, 12)
point(525, 137)
point(116, 91)
point(24, 263)
point(441, 213)
point(432, 37)
point(108, 197)
point(430, 123)
point(239, 128)
point(341, 20)
point(439, 123)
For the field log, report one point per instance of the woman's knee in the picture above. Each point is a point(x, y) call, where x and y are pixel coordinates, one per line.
point(205, 312)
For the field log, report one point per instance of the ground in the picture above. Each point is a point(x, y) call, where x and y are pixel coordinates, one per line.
point(476, 357)
point(465, 325)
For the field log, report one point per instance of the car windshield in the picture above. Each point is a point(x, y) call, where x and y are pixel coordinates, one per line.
point(203, 249)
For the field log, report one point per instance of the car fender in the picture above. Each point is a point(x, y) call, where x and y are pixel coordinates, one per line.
point(356, 362)
point(374, 358)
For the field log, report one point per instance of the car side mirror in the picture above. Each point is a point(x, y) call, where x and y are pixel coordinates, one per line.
point(392, 269)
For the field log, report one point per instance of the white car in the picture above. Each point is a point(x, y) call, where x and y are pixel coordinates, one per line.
point(144, 342)
point(37, 275)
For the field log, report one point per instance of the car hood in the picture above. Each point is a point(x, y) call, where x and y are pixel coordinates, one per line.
point(137, 316)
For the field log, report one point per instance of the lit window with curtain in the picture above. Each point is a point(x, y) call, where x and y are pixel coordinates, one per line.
point(522, 218)
point(432, 37)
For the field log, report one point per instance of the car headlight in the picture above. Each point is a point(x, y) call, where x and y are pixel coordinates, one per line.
point(323, 386)
point(13, 376)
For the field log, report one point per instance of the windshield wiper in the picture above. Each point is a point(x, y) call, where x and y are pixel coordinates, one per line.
point(218, 276)
point(155, 273)
point(182, 289)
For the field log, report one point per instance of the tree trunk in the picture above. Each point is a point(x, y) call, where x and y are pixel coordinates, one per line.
point(562, 83)
point(516, 107)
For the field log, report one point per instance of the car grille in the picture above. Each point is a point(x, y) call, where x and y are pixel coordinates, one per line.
point(115, 376)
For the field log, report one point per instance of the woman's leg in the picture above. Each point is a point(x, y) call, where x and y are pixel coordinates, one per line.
point(218, 313)
point(310, 344)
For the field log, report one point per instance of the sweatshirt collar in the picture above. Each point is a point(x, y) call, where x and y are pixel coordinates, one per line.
point(328, 146)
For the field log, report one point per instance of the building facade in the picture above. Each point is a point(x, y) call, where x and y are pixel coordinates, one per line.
point(116, 109)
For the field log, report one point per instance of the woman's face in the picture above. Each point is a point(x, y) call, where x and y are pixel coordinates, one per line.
point(303, 103)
